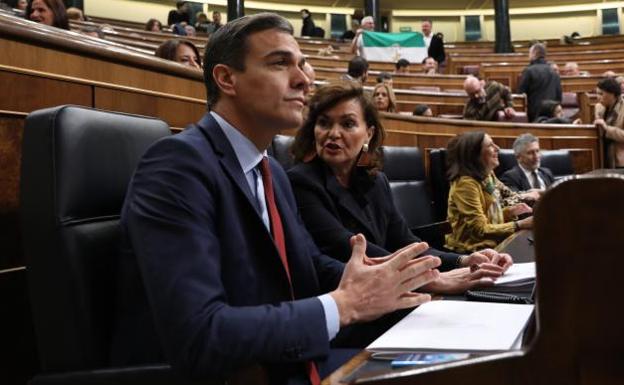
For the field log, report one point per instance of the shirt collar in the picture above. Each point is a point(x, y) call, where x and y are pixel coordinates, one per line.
point(246, 152)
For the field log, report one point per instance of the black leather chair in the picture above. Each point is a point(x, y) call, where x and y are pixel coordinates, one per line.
point(559, 162)
point(506, 160)
point(76, 165)
point(405, 169)
point(439, 182)
point(280, 150)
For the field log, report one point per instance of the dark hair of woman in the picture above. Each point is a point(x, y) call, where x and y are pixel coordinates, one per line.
point(150, 24)
point(58, 10)
point(611, 86)
point(168, 49)
point(328, 97)
point(547, 108)
point(463, 156)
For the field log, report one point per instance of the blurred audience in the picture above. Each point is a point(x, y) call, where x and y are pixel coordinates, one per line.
point(216, 22)
point(307, 28)
point(429, 66)
point(49, 12)
point(180, 14)
point(153, 25)
point(350, 33)
point(422, 110)
point(384, 77)
point(384, 99)
point(486, 99)
point(402, 66)
point(190, 30)
point(609, 120)
point(92, 31)
point(201, 22)
point(551, 111)
point(357, 70)
point(181, 51)
point(74, 13)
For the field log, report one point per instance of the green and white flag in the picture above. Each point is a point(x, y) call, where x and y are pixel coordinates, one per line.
point(390, 47)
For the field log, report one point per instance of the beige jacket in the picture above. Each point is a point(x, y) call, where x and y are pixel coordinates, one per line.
point(614, 147)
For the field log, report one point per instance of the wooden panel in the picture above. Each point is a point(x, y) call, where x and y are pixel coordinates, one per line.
point(29, 93)
point(176, 112)
point(11, 133)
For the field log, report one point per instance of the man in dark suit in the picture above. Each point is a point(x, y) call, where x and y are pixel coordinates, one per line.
point(218, 275)
point(435, 45)
point(527, 174)
point(539, 81)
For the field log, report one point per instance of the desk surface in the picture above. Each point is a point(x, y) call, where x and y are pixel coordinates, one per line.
point(518, 245)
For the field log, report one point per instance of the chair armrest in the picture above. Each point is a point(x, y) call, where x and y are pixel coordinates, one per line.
point(135, 375)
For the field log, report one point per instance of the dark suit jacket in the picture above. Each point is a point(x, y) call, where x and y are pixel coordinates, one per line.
point(334, 214)
point(539, 82)
point(436, 49)
point(516, 180)
point(213, 282)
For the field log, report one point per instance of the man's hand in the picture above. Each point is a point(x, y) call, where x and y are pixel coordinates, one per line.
point(457, 281)
point(509, 112)
point(601, 125)
point(368, 290)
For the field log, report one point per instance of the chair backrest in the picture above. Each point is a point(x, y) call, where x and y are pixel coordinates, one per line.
point(558, 161)
point(519, 117)
point(506, 160)
point(405, 169)
point(439, 182)
point(76, 165)
point(280, 150)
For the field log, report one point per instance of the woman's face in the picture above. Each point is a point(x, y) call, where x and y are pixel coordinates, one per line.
point(156, 27)
point(489, 154)
point(381, 98)
point(186, 55)
point(22, 4)
point(558, 113)
point(339, 134)
point(41, 13)
point(607, 99)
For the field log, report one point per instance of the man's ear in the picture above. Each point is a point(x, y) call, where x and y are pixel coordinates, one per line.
point(225, 79)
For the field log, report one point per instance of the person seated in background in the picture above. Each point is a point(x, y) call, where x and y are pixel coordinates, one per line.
point(350, 33)
point(180, 14)
point(551, 112)
point(482, 211)
point(609, 119)
point(93, 31)
point(201, 22)
point(620, 80)
point(555, 68)
point(357, 70)
point(190, 30)
point(74, 13)
point(384, 77)
point(307, 25)
point(570, 69)
point(402, 66)
point(181, 51)
point(527, 174)
point(384, 98)
point(609, 74)
point(486, 99)
point(340, 190)
point(48, 12)
point(153, 25)
point(422, 110)
point(308, 70)
point(429, 66)
point(18, 4)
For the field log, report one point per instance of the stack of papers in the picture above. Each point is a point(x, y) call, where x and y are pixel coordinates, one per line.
point(520, 277)
point(460, 326)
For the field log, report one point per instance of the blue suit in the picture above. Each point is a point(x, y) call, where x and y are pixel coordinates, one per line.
point(214, 296)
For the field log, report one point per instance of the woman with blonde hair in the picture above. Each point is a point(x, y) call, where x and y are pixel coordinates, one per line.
point(383, 96)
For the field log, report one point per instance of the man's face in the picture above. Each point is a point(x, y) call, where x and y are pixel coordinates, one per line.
point(425, 27)
point(368, 25)
point(529, 158)
point(216, 17)
point(272, 89)
point(476, 91)
point(430, 64)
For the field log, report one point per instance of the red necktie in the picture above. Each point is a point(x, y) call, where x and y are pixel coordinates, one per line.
point(278, 238)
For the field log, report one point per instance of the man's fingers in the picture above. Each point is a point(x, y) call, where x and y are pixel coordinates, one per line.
point(416, 281)
point(485, 273)
point(477, 258)
point(358, 246)
point(408, 300)
point(405, 254)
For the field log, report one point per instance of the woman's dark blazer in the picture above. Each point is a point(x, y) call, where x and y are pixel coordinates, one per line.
point(333, 214)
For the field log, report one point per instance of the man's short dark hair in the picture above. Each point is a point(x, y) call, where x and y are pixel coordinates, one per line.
point(383, 76)
point(402, 63)
point(420, 109)
point(357, 67)
point(611, 86)
point(228, 46)
point(539, 50)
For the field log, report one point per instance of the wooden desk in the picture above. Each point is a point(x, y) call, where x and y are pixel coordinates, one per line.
point(518, 245)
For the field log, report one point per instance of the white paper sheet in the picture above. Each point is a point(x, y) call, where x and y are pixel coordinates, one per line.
point(517, 272)
point(456, 326)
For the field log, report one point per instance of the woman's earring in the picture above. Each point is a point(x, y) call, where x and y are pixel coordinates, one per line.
point(365, 147)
